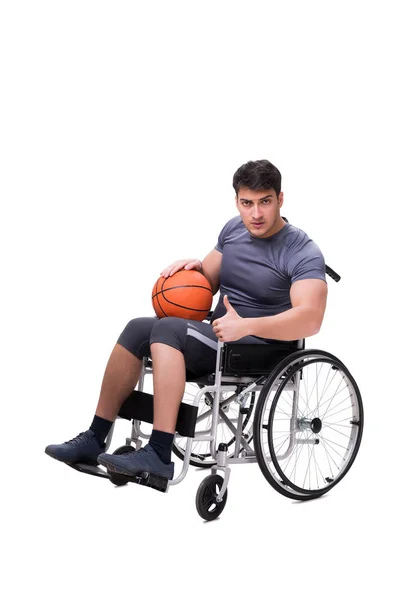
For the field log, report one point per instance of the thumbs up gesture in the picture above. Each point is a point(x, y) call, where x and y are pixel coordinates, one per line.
point(230, 327)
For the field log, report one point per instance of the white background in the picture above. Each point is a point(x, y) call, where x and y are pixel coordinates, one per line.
point(122, 124)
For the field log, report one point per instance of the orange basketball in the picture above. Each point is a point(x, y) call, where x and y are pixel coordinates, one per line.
point(186, 294)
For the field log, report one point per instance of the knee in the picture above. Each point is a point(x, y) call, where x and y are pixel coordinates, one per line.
point(135, 337)
point(170, 331)
point(132, 327)
point(169, 324)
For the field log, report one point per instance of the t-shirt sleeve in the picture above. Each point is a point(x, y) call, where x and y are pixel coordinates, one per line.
point(222, 236)
point(306, 262)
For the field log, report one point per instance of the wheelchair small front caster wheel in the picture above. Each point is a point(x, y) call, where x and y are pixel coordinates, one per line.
point(206, 498)
point(124, 449)
point(118, 479)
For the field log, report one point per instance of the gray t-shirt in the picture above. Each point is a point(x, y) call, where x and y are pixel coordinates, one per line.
point(257, 273)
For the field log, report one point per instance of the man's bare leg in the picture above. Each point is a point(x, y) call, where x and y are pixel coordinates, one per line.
point(120, 378)
point(169, 377)
point(122, 374)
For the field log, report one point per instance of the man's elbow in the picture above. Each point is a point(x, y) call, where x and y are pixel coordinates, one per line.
point(316, 324)
point(314, 330)
point(312, 321)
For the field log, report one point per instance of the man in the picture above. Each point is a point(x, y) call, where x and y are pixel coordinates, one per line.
point(272, 284)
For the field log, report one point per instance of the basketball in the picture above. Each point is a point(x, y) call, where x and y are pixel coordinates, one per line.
point(186, 294)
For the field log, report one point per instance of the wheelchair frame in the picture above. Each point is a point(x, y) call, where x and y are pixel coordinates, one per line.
point(285, 376)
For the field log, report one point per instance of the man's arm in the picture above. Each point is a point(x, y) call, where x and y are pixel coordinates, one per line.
point(304, 319)
point(210, 267)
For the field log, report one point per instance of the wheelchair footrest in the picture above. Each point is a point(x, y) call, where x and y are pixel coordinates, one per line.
point(154, 481)
point(90, 469)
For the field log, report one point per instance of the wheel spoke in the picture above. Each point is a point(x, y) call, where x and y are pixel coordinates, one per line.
point(311, 440)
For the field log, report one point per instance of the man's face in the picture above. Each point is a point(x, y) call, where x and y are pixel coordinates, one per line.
point(260, 211)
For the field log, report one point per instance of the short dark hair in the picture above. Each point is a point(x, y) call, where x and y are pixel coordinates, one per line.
point(257, 175)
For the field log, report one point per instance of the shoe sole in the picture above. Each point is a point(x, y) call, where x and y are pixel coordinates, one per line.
point(113, 469)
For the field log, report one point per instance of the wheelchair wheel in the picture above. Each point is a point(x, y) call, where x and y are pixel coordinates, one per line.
point(308, 424)
point(124, 449)
point(206, 503)
point(200, 454)
point(117, 478)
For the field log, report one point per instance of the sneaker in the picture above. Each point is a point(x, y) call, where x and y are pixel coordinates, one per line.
point(83, 448)
point(131, 463)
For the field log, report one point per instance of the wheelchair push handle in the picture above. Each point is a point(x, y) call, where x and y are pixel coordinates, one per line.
point(335, 276)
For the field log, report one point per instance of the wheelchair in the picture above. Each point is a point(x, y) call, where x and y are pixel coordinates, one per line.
point(298, 413)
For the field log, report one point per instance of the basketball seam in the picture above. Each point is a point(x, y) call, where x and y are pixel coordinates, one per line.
point(175, 287)
point(159, 305)
point(180, 305)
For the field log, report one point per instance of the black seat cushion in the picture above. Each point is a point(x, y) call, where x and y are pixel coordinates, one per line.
point(249, 359)
point(257, 359)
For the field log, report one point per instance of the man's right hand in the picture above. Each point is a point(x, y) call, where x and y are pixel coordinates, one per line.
point(186, 263)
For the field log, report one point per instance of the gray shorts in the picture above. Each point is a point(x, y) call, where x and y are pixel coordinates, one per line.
point(195, 339)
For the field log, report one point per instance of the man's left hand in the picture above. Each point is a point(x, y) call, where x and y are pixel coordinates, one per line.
point(230, 327)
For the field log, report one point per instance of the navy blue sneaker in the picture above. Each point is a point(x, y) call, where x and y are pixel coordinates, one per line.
point(131, 463)
point(83, 448)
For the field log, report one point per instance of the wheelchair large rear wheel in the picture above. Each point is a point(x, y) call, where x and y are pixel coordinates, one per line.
point(308, 424)
point(200, 455)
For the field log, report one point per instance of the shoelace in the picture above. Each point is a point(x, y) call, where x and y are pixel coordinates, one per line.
point(79, 438)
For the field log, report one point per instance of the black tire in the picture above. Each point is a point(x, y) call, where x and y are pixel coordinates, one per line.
point(206, 504)
point(124, 449)
point(116, 478)
point(282, 374)
point(357, 426)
